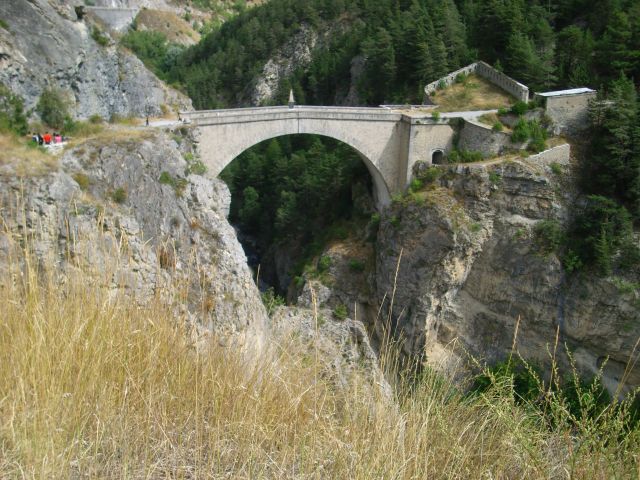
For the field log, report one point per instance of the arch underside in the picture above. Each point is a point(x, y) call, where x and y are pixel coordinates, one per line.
point(221, 144)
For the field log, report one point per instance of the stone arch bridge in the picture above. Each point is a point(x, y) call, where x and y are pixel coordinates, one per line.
point(389, 141)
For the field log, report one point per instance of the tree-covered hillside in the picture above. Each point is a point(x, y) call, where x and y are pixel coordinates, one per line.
point(407, 43)
point(387, 50)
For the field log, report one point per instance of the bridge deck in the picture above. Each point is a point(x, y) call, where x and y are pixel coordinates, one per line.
point(261, 114)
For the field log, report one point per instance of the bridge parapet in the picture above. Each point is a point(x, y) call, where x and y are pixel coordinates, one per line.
point(261, 114)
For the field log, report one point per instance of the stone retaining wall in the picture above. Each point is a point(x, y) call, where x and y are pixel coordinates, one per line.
point(117, 19)
point(477, 137)
point(486, 71)
point(560, 154)
point(508, 84)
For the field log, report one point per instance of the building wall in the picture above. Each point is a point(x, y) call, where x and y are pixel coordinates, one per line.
point(427, 137)
point(569, 114)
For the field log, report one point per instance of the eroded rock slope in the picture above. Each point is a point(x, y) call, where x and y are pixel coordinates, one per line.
point(45, 45)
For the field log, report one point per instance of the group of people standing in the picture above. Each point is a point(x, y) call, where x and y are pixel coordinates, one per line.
point(47, 138)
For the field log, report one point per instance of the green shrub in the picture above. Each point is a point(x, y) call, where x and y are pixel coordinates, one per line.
point(600, 231)
point(519, 108)
point(556, 168)
point(571, 261)
point(4, 25)
point(431, 174)
point(119, 195)
point(340, 312)
point(461, 77)
point(96, 119)
point(495, 178)
point(465, 156)
point(435, 115)
point(179, 184)
point(356, 265)
point(538, 137)
point(166, 178)
point(197, 168)
point(52, 109)
point(80, 129)
point(153, 48)
point(12, 116)
point(549, 236)
point(324, 263)
point(502, 111)
point(520, 131)
point(416, 185)
point(99, 37)
point(271, 300)
point(497, 127)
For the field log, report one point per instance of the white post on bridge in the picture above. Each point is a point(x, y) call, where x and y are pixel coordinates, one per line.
point(292, 101)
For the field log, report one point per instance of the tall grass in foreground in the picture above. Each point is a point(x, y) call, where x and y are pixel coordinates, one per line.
point(93, 385)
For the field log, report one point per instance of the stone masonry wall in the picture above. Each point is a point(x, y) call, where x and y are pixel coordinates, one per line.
point(477, 137)
point(508, 84)
point(560, 154)
point(569, 113)
point(117, 19)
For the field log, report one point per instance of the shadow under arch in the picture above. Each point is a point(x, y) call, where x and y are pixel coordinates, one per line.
point(331, 191)
point(381, 191)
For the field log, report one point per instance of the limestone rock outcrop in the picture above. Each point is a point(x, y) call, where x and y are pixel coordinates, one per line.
point(471, 270)
point(457, 266)
point(126, 207)
point(46, 46)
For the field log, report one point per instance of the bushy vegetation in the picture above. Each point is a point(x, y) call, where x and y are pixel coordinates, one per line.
point(600, 237)
point(531, 131)
point(99, 386)
point(153, 48)
point(12, 114)
point(464, 156)
point(53, 109)
point(100, 38)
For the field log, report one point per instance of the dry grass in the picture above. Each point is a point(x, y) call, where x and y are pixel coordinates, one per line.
point(112, 134)
point(176, 29)
point(474, 93)
point(92, 385)
point(24, 160)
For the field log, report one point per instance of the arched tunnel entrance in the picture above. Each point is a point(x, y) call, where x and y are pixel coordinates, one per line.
point(291, 196)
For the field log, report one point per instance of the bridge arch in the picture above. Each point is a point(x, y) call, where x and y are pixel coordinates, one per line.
point(379, 137)
point(381, 193)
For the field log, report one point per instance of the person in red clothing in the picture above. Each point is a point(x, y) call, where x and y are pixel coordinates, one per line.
point(47, 138)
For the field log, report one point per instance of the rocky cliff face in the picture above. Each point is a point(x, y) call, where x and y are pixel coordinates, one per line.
point(46, 46)
point(298, 53)
point(458, 269)
point(125, 205)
